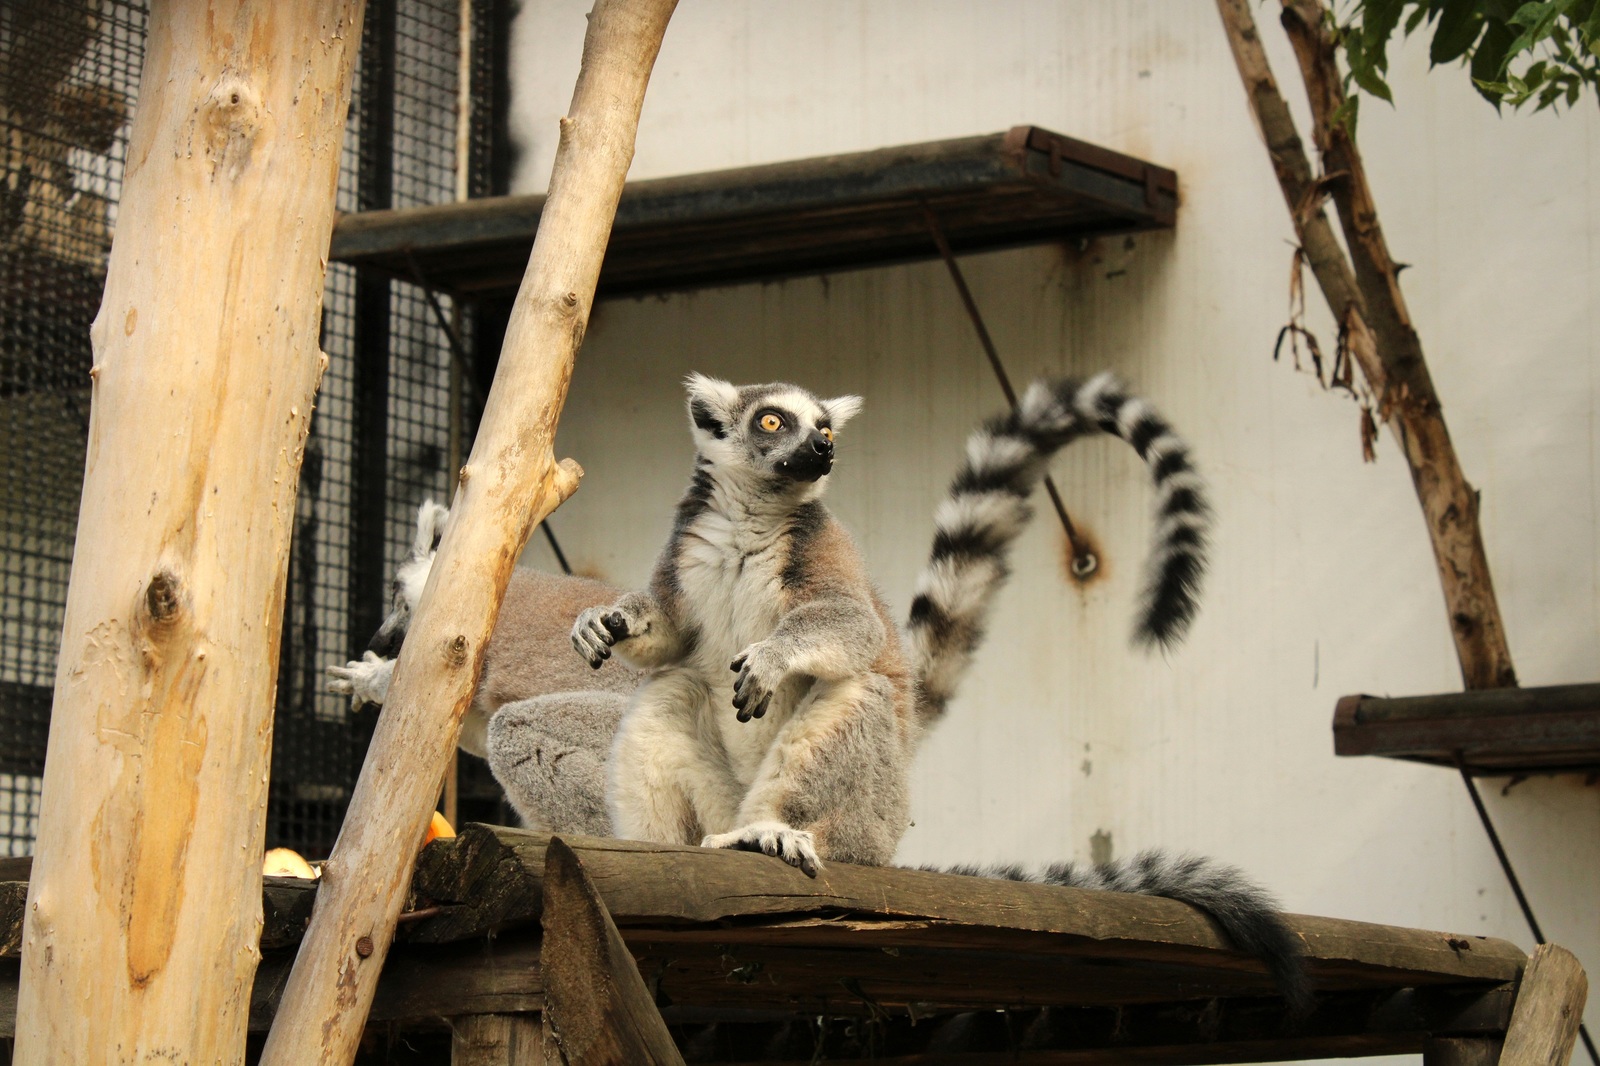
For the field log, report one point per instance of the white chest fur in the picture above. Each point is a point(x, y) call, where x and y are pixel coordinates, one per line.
point(731, 575)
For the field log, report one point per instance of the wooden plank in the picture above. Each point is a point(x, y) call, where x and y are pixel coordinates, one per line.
point(597, 1009)
point(1496, 730)
point(1462, 1051)
point(496, 1040)
point(664, 887)
point(798, 217)
point(1549, 1009)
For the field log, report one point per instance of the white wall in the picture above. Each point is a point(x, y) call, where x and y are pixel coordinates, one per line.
point(1323, 583)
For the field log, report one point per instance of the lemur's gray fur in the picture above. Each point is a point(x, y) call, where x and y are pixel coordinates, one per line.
point(556, 717)
point(829, 707)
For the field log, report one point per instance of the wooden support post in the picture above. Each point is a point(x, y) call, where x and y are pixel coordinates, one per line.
point(597, 1011)
point(508, 486)
point(506, 1040)
point(1549, 1009)
point(1367, 302)
point(144, 914)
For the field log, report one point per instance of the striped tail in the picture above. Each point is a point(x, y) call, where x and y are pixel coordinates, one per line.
point(987, 508)
point(1246, 912)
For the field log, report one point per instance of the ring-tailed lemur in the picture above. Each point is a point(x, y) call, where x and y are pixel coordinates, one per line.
point(829, 707)
point(543, 721)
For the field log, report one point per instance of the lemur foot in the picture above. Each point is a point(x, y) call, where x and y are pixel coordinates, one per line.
point(364, 680)
point(760, 673)
point(598, 628)
point(794, 846)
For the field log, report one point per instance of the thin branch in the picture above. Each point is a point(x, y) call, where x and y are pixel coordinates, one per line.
point(1366, 301)
point(509, 484)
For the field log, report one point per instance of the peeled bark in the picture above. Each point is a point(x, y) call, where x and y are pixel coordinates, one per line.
point(510, 483)
point(1370, 308)
point(144, 913)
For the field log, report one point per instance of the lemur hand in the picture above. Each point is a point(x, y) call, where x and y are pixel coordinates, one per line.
point(364, 680)
point(598, 628)
point(760, 671)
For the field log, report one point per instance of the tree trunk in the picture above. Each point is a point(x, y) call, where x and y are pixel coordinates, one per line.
point(144, 913)
point(509, 485)
point(1368, 304)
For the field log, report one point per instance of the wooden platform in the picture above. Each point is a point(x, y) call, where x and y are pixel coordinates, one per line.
point(1496, 731)
point(748, 960)
point(807, 216)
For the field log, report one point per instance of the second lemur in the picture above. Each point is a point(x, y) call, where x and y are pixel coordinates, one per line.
point(781, 709)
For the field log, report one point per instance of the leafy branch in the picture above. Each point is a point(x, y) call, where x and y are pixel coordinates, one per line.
point(1544, 52)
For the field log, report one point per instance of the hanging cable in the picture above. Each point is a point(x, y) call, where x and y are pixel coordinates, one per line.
point(1084, 561)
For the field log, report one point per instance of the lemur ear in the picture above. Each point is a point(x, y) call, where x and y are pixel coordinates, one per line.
point(713, 404)
point(430, 528)
point(842, 409)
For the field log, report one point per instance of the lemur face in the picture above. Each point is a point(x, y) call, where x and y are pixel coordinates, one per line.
point(781, 432)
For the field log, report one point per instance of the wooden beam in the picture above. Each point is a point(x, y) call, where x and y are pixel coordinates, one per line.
point(144, 915)
point(492, 876)
point(496, 1040)
point(510, 484)
point(796, 217)
point(598, 1011)
point(1544, 1023)
point(1521, 730)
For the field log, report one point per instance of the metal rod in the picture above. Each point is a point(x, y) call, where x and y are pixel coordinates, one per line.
point(1084, 560)
point(452, 335)
point(566, 567)
point(1516, 884)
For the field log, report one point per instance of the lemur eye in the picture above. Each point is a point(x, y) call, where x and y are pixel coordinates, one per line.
point(771, 423)
point(827, 433)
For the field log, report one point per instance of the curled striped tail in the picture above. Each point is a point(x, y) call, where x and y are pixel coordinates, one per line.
point(1245, 911)
point(987, 508)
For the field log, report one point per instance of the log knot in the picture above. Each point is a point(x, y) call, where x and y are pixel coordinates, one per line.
point(456, 652)
point(230, 122)
point(163, 597)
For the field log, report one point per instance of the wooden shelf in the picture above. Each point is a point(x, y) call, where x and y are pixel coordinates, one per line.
point(804, 217)
point(745, 953)
point(1496, 731)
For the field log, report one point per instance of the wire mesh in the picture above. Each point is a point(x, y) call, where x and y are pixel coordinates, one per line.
point(68, 75)
point(380, 441)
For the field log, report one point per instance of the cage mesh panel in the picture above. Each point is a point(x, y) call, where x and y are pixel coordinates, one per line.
point(319, 741)
point(68, 75)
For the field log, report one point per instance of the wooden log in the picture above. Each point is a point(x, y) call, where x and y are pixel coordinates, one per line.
point(597, 1011)
point(1549, 1009)
point(145, 908)
point(496, 1040)
point(1366, 302)
point(662, 890)
point(509, 485)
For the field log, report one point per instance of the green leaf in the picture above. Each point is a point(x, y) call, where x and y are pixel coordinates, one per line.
point(1416, 19)
point(1529, 14)
point(1457, 31)
point(1372, 83)
point(1489, 60)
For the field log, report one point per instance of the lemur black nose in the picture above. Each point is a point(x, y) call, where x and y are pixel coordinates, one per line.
point(820, 444)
